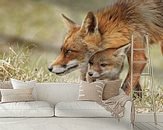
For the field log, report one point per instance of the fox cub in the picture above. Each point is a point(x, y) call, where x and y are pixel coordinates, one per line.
point(107, 64)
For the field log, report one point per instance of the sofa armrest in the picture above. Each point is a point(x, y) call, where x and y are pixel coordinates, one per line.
point(127, 112)
point(126, 120)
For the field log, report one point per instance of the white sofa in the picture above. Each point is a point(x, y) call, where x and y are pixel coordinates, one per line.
point(63, 113)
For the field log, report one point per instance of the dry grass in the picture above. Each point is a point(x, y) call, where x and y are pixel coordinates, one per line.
point(19, 64)
point(146, 100)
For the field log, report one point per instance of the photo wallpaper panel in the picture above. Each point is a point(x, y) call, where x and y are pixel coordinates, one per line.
point(70, 41)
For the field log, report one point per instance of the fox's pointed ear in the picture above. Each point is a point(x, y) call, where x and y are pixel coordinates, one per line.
point(68, 22)
point(90, 23)
point(122, 51)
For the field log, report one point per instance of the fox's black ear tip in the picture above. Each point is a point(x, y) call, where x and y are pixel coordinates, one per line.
point(90, 13)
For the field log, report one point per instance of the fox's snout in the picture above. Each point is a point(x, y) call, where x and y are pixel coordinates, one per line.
point(93, 74)
point(90, 73)
point(63, 68)
point(50, 68)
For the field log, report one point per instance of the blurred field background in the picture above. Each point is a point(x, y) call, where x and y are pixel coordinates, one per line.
point(38, 24)
point(32, 31)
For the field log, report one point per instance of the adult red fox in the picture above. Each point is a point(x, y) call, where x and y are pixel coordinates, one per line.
point(111, 27)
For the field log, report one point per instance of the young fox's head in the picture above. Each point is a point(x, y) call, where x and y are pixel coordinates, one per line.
point(75, 50)
point(107, 64)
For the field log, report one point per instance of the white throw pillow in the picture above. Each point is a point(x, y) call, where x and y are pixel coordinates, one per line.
point(19, 84)
point(16, 95)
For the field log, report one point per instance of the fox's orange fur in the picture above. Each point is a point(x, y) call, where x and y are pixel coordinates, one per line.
point(117, 23)
point(107, 64)
point(112, 27)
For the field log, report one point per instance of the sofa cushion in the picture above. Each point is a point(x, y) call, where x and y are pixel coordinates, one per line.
point(26, 109)
point(80, 109)
point(19, 84)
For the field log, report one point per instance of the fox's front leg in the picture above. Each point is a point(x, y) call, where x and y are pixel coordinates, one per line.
point(83, 73)
point(137, 69)
point(83, 76)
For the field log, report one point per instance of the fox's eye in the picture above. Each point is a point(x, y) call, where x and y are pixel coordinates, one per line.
point(104, 65)
point(68, 52)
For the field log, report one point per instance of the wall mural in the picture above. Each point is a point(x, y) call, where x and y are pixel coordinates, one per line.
point(70, 41)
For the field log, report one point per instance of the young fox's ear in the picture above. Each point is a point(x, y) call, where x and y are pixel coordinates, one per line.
point(89, 24)
point(69, 23)
point(122, 51)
